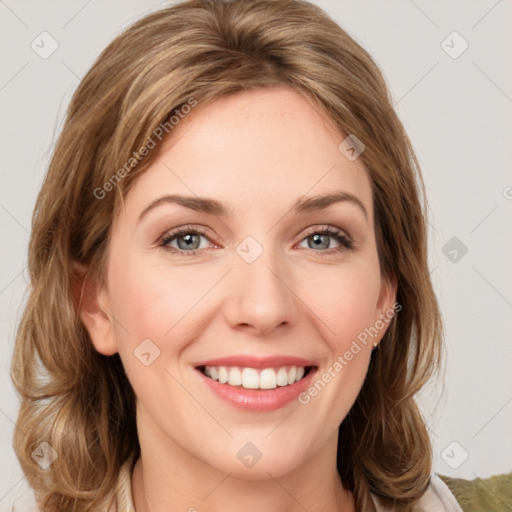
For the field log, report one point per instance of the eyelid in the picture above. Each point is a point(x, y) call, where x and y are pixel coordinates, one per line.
point(325, 227)
point(186, 228)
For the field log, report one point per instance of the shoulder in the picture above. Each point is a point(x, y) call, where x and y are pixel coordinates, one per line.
point(122, 494)
point(437, 498)
point(123, 491)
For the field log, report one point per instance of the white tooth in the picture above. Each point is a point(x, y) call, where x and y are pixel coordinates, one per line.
point(250, 379)
point(235, 377)
point(268, 379)
point(292, 372)
point(223, 374)
point(282, 377)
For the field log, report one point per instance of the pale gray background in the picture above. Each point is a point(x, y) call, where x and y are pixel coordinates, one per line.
point(458, 115)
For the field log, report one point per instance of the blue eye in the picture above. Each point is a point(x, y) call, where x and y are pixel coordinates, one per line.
point(320, 240)
point(186, 241)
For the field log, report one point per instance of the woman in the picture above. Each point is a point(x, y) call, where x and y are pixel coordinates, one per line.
point(231, 304)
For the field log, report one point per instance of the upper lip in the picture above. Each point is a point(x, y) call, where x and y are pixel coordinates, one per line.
point(257, 362)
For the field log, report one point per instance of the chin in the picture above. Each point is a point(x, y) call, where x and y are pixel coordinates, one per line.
point(255, 460)
point(263, 469)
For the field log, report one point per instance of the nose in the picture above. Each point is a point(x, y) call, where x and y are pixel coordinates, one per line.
point(261, 297)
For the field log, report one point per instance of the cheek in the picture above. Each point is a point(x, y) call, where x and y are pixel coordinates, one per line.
point(344, 301)
point(151, 300)
point(344, 298)
point(152, 305)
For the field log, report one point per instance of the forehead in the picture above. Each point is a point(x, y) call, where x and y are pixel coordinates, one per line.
point(254, 150)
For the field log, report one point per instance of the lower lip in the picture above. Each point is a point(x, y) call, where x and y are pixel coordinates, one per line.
point(259, 400)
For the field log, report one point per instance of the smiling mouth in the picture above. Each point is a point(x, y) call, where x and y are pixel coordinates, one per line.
point(251, 378)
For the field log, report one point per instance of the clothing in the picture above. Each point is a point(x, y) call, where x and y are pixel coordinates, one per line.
point(437, 498)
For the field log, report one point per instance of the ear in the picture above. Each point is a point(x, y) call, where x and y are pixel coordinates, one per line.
point(386, 303)
point(387, 296)
point(92, 302)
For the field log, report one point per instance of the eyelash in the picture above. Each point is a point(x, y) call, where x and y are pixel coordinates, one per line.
point(337, 234)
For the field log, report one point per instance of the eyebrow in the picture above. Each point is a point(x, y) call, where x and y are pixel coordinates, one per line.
point(214, 207)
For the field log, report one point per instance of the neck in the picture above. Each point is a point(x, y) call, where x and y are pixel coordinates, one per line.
point(168, 478)
point(193, 494)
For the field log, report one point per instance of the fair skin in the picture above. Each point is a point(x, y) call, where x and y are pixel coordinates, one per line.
point(257, 153)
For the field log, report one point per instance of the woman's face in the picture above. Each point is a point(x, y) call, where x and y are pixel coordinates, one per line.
point(251, 276)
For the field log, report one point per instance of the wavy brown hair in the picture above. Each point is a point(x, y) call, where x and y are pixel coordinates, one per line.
point(80, 401)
